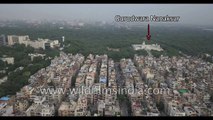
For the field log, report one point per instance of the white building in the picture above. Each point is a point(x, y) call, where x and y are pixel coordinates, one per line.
point(3, 79)
point(47, 110)
point(9, 60)
point(7, 111)
point(153, 113)
point(12, 39)
point(174, 109)
point(40, 43)
point(67, 109)
point(32, 56)
point(63, 38)
point(147, 47)
point(34, 110)
point(40, 110)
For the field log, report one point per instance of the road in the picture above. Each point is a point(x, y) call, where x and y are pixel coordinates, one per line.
point(163, 114)
point(120, 82)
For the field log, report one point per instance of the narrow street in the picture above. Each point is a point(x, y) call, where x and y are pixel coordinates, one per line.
point(120, 82)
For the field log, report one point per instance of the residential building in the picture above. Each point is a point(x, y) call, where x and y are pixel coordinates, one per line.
point(9, 60)
point(21, 105)
point(67, 109)
point(12, 39)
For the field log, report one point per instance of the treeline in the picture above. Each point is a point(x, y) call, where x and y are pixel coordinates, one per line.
point(96, 39)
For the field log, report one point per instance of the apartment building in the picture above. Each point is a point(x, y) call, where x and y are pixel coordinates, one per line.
point(21, 105)
point(81, 108)
point(13, 39)
point(67, 108)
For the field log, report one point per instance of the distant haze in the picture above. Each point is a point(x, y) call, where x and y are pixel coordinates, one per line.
point(199, 14)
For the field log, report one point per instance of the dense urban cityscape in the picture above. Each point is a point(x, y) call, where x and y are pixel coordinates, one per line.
point(143, 86)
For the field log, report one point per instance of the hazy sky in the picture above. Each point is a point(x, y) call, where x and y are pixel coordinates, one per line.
point(189, 13)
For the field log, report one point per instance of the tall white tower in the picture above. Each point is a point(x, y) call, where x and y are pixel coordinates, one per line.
point(63, 38)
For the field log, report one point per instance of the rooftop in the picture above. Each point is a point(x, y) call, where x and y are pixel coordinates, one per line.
point(182, 91)
point(4, 98)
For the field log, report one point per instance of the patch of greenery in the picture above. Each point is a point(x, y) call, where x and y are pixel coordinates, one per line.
point(18, 78)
